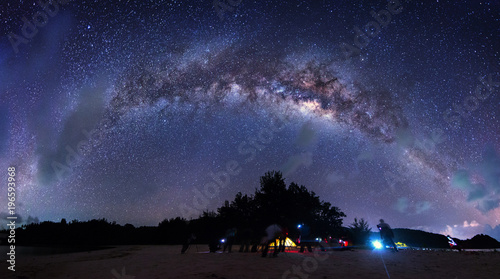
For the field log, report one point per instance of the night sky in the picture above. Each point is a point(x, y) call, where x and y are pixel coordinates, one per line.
point(137, 111)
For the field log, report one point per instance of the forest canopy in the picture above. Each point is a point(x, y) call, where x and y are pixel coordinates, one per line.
point(272, 203)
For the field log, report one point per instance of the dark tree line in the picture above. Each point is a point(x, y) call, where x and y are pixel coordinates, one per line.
point(273, 203)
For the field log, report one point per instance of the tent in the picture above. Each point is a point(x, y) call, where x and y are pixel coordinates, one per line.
point(288, 243)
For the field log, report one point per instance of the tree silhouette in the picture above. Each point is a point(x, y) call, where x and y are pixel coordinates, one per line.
point(273, 203)
point(173, 230)
point(360, 231)
point(270, 199)
point(239, 212)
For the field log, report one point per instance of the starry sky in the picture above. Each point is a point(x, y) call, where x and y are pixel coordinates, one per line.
point(137, 111)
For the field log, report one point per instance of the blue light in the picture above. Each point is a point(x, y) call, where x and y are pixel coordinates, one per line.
point(377, 244)
point(299, 226)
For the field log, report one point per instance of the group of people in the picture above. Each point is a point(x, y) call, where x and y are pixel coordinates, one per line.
point(277, 235)
point(250, 241)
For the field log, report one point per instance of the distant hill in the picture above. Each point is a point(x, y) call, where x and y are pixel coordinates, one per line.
point(479, 241)
point(418, 238)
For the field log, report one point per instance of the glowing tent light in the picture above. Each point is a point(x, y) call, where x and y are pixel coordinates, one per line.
point(288, 243)
point(401, 244)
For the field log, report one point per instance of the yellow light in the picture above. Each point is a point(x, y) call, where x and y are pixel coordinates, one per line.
point(401, 244)
point(288, 243)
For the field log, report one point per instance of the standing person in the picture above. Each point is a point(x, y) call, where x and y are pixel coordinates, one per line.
point(187, 242)
point(272, 232)
point(230, 236)
point(386, 234)
point(304, 235)
point(213, 235)
point(245, 237)
point(284, 235)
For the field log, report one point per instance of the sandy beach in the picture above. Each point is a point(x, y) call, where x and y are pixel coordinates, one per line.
point(151, 262)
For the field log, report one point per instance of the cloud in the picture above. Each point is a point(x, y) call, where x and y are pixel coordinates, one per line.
point(465, 230)
point(473, 223)
point(422, 206)
point(306, 136)
point(79, 124)
point(4, 215)
point(296, 161)
point(20, 219)
point(402, 205)
point(334, 177)
point(365, 155)
point(404, 137)
point(482, 181)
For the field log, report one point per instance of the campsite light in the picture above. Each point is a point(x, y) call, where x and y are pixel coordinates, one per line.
point(377, 244)
point(451, 241)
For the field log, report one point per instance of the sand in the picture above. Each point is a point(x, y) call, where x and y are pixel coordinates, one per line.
point(127, 262)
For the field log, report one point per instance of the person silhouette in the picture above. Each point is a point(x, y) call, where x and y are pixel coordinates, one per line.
point(229, 241)
point(386, 234)
point(304, 238)
point(273, 232)
point(245, 238)
point(187, 242)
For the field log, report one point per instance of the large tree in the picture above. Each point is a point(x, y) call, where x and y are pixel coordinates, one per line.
point(274, 202)
point(360, 231)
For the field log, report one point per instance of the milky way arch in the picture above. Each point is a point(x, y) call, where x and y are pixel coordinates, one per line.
point(236, 77)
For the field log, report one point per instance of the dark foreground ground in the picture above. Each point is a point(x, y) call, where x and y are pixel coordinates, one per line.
point(149, 262)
